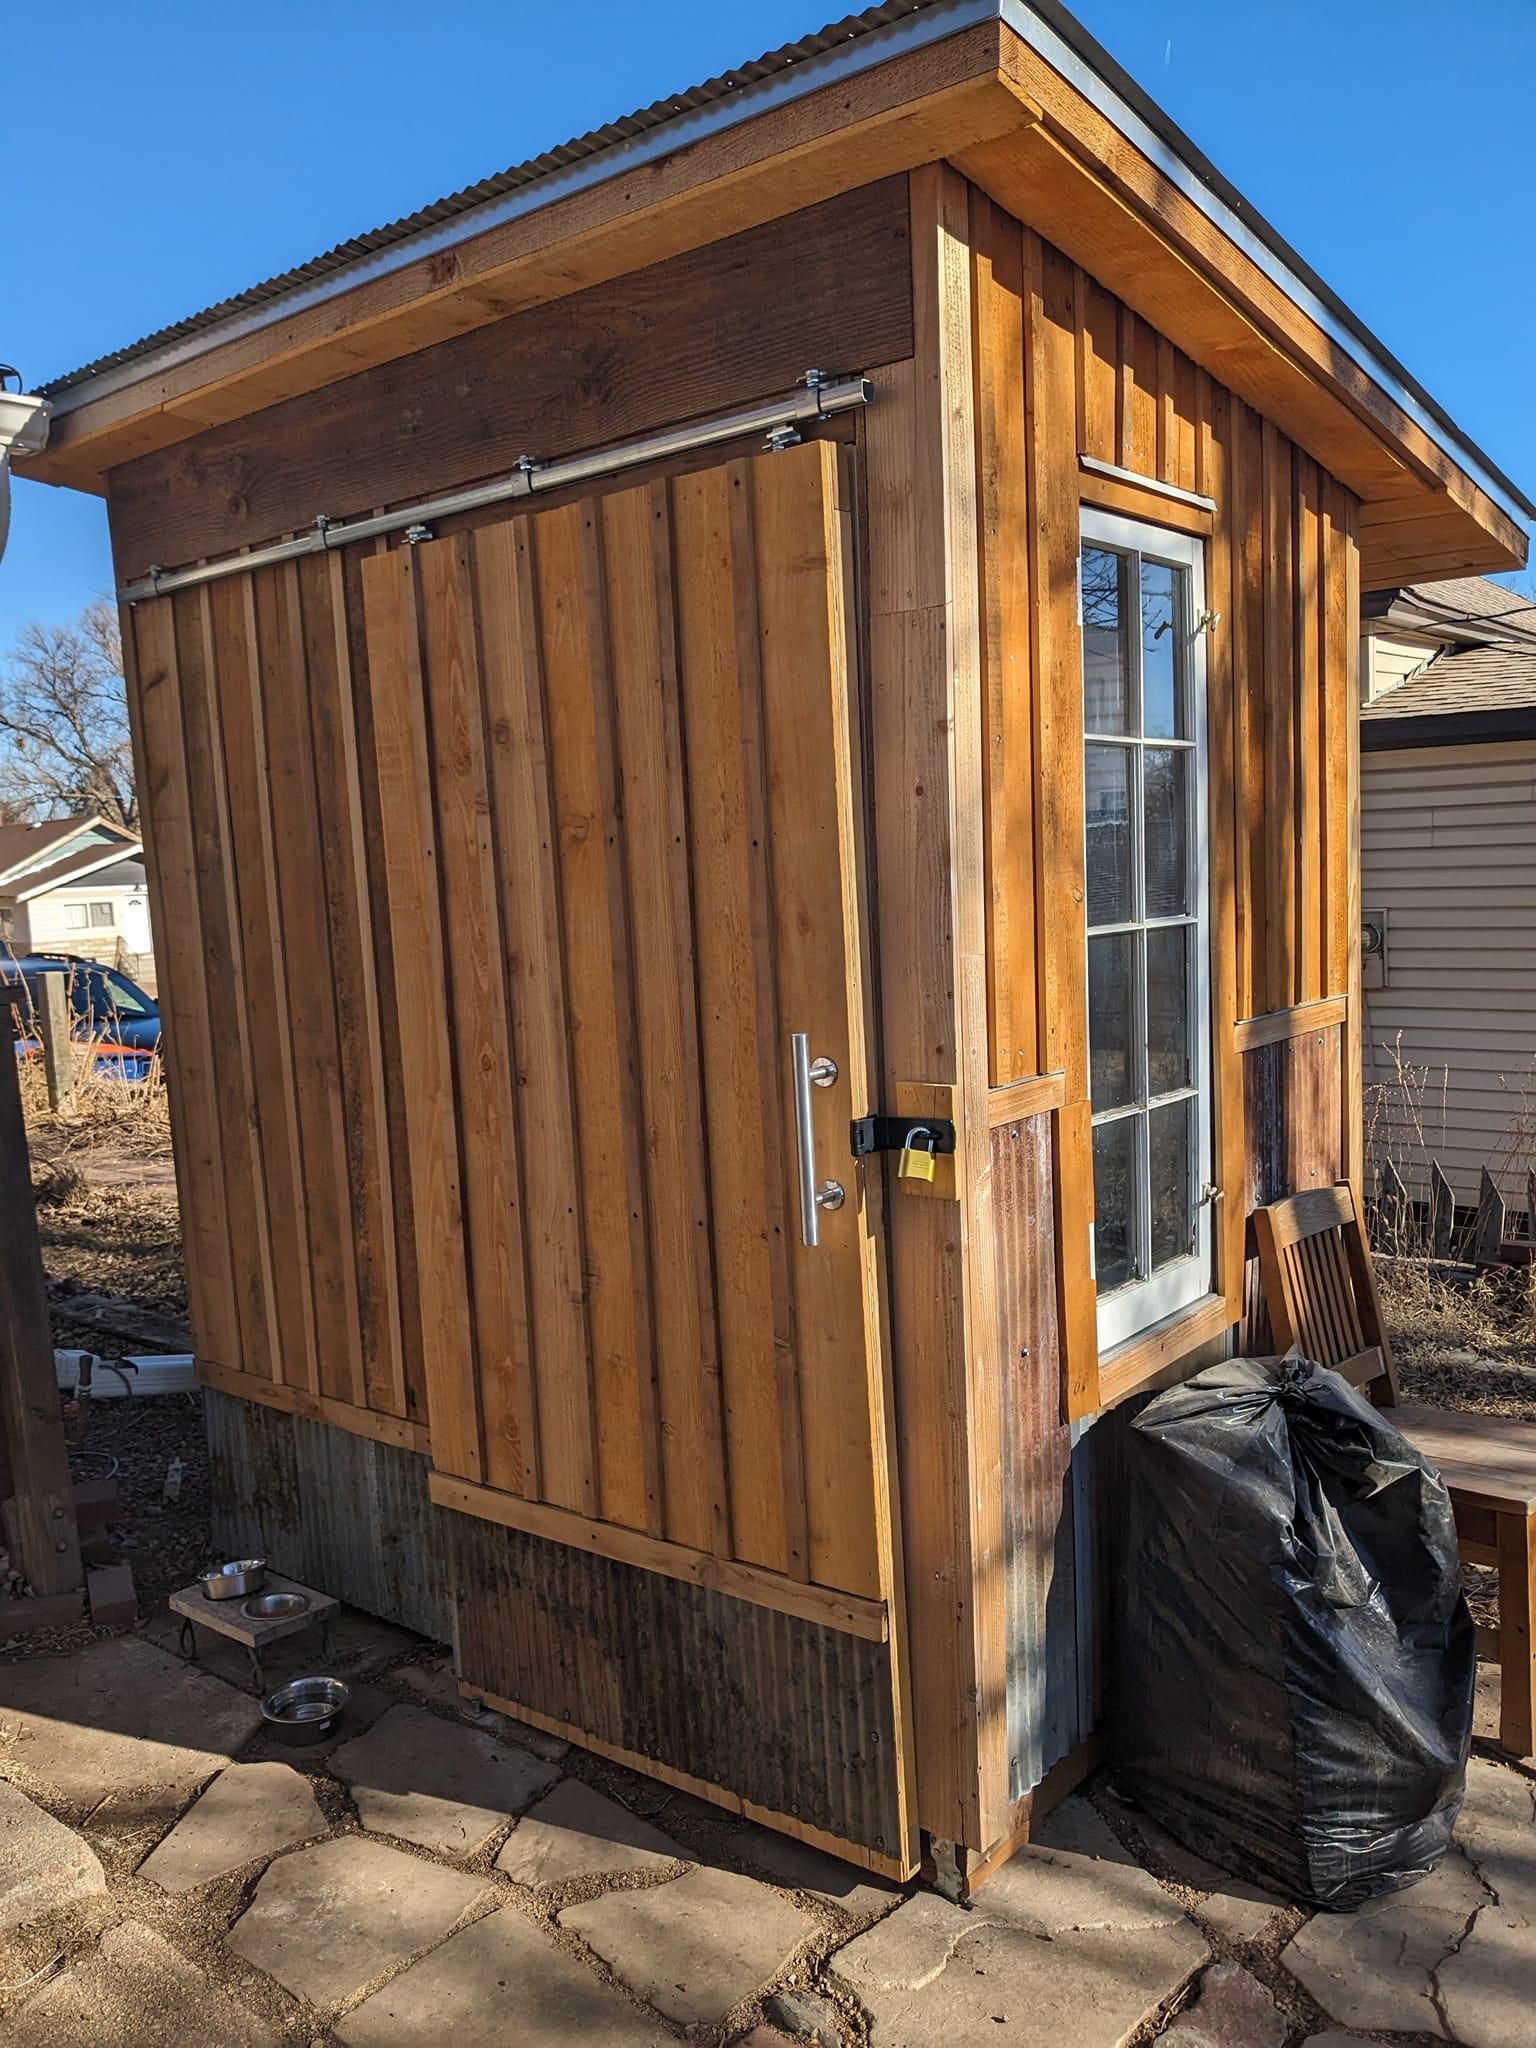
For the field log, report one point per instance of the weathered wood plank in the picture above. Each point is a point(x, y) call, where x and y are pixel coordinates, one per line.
point(344, 862)
point(814, 910)
point(512, 679)
point(599, 977)
point(475, 999)
point(718, 327)
point(150, 655)
point(282, 659)
point(638, 556)
point(262, 989)
point(42, 1507)
point(1007, 740)
point(744, 1048)
point(410, 859)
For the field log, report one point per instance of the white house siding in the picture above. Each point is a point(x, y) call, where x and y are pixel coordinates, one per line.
point(1448, 849)
point(49, 930)
point(1386, 661)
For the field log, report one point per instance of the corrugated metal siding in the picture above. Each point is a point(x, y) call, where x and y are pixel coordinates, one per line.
point(1057, 1510)
point(331, 1509)
point(1448, 849)
point(796, 1718)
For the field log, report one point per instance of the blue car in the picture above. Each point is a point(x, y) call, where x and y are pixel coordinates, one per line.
point(104, 1003)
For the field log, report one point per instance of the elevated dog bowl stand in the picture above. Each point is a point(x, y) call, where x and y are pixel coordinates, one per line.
point(223, 1618)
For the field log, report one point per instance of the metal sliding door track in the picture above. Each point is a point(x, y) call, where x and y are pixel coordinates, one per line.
point(778, 419)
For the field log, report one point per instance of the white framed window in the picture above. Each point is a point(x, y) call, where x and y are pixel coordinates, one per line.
point(1142, 601)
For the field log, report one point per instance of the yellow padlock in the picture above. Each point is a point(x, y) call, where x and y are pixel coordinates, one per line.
point(916, 1162)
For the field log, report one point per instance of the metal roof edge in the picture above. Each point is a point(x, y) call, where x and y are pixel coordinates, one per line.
point(1066, 45)
point(1048, 29)
point(923, 23)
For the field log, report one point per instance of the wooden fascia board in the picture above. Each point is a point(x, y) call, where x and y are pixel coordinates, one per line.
point(1075, 179)
point(913, 110)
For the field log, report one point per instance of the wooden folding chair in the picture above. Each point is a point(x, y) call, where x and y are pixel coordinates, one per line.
point(1320, 1291)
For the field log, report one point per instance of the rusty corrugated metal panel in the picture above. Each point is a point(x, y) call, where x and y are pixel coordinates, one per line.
point(331, 1509)
point(253, 1479)
point(1042, 1511)
point(796, 1718)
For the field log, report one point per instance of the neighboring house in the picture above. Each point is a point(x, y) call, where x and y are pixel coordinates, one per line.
point(1448, 877)
point(76, 885)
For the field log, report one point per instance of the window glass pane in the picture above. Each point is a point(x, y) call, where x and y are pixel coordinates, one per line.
point(1107, 782)
point(1170, 1139)
point(1168, 1060)
point(75, 917)
point(1106, 657)
point(101, 913)
point(123, 996)
point(1111, 1005)
point(1115, 1184)
point(1161, 662)
point(1166, 779)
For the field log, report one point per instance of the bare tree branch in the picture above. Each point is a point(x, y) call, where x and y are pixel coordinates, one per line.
point(64, 740)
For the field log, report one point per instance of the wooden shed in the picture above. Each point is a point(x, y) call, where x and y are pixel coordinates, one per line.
point(826, 606)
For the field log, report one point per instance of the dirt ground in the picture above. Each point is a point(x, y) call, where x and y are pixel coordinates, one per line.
point(109, 1225)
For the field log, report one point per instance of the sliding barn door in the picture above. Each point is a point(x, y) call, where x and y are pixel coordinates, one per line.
point(618, 763)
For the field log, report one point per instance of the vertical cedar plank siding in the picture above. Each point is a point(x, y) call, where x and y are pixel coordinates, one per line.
point(1277, 567)
point(565, 762)
point(1062, 369)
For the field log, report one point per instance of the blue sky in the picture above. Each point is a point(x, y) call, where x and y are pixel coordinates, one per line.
point(156, 157)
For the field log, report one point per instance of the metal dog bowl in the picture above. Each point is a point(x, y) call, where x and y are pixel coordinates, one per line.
point(233, 1581)
point(275, 1606)
point(305, 1709)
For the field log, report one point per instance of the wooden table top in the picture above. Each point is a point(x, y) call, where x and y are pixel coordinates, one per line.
point(225, 1619)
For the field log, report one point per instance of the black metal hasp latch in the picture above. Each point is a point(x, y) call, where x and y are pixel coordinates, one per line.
point(868, 1134)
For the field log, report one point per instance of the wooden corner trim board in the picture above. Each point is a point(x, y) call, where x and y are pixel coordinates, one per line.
point(398, 1430)
point(1249, 1033)
point(1032, 1096)
point(850, 1612)
point(701, 1788)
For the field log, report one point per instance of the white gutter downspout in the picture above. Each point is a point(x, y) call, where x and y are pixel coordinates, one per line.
point(24, 425)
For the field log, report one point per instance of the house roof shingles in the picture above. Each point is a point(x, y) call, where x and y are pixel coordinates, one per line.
point(1465, 686)
point(20, 845)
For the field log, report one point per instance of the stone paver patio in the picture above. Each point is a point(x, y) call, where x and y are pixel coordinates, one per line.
point(440, 1874)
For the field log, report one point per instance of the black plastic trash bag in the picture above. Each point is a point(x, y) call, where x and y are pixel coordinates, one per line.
point(1295, 1661)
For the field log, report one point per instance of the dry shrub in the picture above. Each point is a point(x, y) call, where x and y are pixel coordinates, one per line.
point(132, 1114)
point(1431, 1306)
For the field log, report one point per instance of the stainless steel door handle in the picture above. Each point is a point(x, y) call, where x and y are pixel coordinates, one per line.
point(807, 1073)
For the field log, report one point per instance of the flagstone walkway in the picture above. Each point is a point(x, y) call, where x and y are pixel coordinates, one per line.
point(436, 1873)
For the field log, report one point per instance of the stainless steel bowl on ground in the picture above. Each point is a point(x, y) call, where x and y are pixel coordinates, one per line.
point(305, 1709)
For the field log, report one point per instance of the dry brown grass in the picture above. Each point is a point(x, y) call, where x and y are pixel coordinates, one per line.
point(132, 1116)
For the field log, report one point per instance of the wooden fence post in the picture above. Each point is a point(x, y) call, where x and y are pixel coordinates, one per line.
point(1442, 1211)
point(42, 1513)
point(1488, 1231)
point(52, 1006)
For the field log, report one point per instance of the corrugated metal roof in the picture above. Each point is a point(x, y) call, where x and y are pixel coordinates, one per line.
point(515, 178)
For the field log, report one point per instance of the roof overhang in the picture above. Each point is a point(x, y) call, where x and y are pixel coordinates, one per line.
point(1502, 727)
point(1023, 102)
